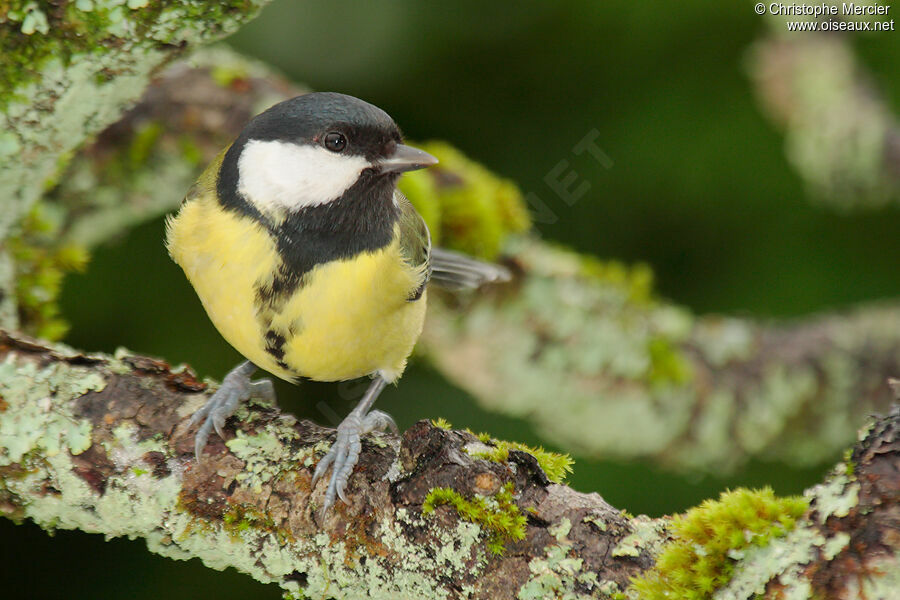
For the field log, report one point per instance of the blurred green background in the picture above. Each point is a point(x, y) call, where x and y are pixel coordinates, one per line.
point(699, 188)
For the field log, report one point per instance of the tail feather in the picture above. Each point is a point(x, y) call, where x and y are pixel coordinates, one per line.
point(456, 271)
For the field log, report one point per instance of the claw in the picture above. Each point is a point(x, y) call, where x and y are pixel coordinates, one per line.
point(218, 421)
point(235, 388)
point(322, 467)
point(339, 478)
point(344, 453)
point(378, 420)
point(200, 439)
point(200, 414)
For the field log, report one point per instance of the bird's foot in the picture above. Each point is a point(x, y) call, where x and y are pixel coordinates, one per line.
point(235, 388)
point(344, 453)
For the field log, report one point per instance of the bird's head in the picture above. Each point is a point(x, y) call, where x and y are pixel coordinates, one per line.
point(314, 149)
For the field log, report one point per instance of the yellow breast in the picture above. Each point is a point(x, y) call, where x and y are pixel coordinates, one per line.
point(347, 319)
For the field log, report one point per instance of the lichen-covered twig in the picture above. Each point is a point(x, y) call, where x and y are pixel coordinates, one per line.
point(583, 350)
point(70, 69)
point(580, 347)
point(103, 444)
point(140, 167)
point(841, 135)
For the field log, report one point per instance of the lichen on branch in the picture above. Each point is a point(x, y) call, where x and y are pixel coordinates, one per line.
point(840, 133)
point(72, 68)
point(584, 353)
point(103, 444)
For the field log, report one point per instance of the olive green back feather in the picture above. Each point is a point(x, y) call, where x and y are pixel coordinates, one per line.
point(415, 240)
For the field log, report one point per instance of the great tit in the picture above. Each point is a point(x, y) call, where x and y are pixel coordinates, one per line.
point(310, 262)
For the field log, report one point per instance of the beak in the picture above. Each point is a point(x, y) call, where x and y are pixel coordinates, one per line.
point(406, 158)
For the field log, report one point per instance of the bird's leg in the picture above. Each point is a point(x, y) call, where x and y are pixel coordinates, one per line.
point(235, 388)
point(344, 453)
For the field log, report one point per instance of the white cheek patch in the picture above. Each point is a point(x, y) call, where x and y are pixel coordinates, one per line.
point(280, 175)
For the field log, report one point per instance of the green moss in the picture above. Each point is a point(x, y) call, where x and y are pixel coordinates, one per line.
point(442, 423)
point(556, 466)
point(190, 151)
point(145, 138)
point(226, 75)
point(636, 280)
point(709, 539)
point(499, 453)
point(467, 207)
point(498, 514)
point(135, 158)
point(242, 517)
point(422, 190)
point(667, 363)
point(41, 263)
point(30, 36)
point(849, 462)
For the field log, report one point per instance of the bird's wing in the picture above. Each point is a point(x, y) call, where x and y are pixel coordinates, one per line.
point(456, 271)
point(448, 269)
point(415, 242)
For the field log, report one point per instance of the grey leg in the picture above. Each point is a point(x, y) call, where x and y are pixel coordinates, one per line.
point(235, 388)
point(344, 453)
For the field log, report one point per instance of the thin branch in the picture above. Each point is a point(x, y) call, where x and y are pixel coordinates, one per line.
point(583, 354)
point(140, 167)
point(840, 134)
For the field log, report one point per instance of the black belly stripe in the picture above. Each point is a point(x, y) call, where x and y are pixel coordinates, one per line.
point(274, 293)
point(361, 220)
point(275, 344)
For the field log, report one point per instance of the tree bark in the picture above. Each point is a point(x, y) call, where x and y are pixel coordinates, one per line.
point(74, 67)
point(69, 70)
point(103, 444)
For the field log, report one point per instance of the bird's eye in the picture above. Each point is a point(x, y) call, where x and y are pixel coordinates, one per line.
point(335, 141)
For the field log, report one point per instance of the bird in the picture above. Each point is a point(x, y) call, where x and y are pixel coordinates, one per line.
point(311, 263)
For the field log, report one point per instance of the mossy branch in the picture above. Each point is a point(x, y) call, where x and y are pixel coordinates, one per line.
point(103, 444)
point(71, 68)
point(583, 350)
point(590, 335)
